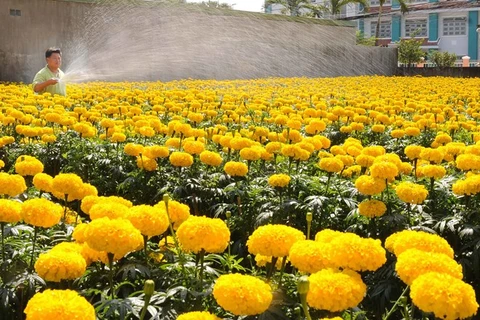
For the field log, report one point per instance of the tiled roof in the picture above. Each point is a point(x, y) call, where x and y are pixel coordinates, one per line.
point(430, 6)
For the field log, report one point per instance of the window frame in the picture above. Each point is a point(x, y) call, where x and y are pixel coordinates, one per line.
point(465, 27)
point(386, 22)
point(425, 19)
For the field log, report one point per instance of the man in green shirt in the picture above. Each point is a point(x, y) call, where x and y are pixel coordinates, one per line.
point(49, 78)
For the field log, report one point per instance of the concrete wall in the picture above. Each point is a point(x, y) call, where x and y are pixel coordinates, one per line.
point(145, 41)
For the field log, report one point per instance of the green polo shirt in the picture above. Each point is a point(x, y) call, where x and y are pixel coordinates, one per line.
point(44, 75)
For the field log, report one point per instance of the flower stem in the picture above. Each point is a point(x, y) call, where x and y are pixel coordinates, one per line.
point(284, 261)
point(34, 240)
point(328, 182)
point(272, 268)
point(202, 255)
point(2, 226)
point(394, 307)
point(145, 248)
point(110, 276)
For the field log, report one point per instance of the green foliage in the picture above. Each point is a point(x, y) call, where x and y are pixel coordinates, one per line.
point(409, 51)
point(442, 59)
point(364, 41)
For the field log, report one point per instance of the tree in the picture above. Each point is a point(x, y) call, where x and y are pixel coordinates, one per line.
point(443, 59)
point(409, 51)
point(216, 4)
point(291, 6)
point(333, 7)
point(403, 9)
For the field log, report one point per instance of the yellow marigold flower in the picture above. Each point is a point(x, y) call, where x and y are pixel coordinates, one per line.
point(467, 162)
point(378, 128)
point(405, 168)
point(242, 295)
point(370, 186)
point(117, 236)
point(384, 170)
point(273, 240)
point(347, 129)
point(59, 305)
point(202, 233)
point(211, 158)
point(133, 149)
point(397, 133)
point(327, 235)
point(262, 261)
point(28, 166)
point(118, 137)
point(146, 163)
point(151, 221)
point(433, 171)
point(331, 164)
point(181, 159)
point(238, 143)
point(60, 265)
point(410, 192)
point(274, 147)
point(67, 184)
point(79, 232)
point(10, 211)
point(41, 212)
point(12, 184)
point(432, 155)
point(412, 131)
point(335, 290)
point(250, 154)
point(443, 138)
point(112, 210)
point(235, 169)
point(315, 126)
point(43, 182)
point(374, 151)
point(413, 262)
point(346, 160)
point(364, 160)
point(413, 151)
point(447, 297)
point(146, 131)
point(372, 208)
point(2, 164)
point(49, 138)
point(198, 315)
point(335, 318)
point(154, 152)
point(68, 247)
point(279, 180)
point(178, 212)
point(409, 239)
point(310, 256)
point(193, 147)
point(353, 252)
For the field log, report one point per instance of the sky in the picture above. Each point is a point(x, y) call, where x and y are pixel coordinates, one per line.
point(245, 5)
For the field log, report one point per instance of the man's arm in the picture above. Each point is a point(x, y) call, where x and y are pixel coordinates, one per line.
point(39, 86)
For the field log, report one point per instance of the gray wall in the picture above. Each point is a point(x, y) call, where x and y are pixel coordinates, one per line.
point(145, 41)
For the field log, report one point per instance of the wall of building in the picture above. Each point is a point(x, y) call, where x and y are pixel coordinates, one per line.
point(151, 42)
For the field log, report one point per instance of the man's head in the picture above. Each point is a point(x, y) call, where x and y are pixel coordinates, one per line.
point(54, 58)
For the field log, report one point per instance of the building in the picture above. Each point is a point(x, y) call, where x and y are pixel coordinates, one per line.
point(442, 25)
point(445, 25)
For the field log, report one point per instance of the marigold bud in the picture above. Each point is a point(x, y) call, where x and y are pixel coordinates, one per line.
point(309, 217)
point(303, 285)
point(149, 287)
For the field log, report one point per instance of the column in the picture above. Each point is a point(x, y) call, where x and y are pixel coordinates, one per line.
point(472, 35)
point(433, 27)
point(396, 28)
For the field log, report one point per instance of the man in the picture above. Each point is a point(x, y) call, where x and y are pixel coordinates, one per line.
point(48, 79)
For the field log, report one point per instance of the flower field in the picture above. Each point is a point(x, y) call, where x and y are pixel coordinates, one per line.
point(333, 198)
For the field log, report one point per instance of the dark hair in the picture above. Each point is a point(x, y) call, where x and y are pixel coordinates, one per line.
point(50, 51)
